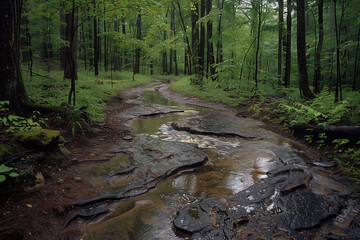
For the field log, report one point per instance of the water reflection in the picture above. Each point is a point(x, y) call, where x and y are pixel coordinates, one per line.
point(234, 165)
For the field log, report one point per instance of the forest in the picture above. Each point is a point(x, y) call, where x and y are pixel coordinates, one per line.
point(293, 63)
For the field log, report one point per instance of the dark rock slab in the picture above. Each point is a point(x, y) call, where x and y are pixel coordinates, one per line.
point(147, 111)
point(288, 155)
point(219, 124)
point(153, 160)
point(282, 206)
point(87, 213)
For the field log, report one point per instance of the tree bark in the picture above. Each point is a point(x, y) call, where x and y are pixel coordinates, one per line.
point(280, 39)
point(288, 45)
point(137, 50)
point(70, 64)
point(317, 72)
point(356, 61)
point(219, 51)
point(96, 42)
point(210, 46)
point(338, 81)
point(305, 91)
point(202, 39)
point(105, 43)
point(258, 45)
point(12, 86)
point(123, 28)
point(195, 35)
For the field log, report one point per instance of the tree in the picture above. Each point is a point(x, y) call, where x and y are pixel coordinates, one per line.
point(288, 45)
point(210, 46)
point(195, 54)
point(305, 91)
point(318, 48)
point(280, 39)
point(96, 41)
point(12, 87)
point(258, 44)
point(137, 50)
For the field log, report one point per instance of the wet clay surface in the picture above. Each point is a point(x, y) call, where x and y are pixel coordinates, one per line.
point(139, 178)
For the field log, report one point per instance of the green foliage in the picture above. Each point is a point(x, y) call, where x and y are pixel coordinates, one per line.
point(348, 158)
point(6, 171)
point(14, 123)
point(92, 93)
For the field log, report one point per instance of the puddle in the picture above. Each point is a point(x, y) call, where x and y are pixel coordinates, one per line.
point(234, 164)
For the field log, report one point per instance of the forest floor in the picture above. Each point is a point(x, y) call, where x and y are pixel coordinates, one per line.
point(42, 212)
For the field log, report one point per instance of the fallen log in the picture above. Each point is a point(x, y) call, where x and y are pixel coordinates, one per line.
point(352, 133)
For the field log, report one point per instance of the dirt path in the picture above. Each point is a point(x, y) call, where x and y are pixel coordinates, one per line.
point(42, 212)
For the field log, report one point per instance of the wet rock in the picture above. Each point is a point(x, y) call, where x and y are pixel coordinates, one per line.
point(288, 155)
point(147, 111)
point(87, 212)
point(220, 124)
point(128, 137)
point(324, 164)
point(283, 204)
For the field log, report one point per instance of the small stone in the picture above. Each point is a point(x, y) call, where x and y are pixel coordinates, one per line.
point(324, 164)
point(77, 179)
point(128, 137)
point(60, 181)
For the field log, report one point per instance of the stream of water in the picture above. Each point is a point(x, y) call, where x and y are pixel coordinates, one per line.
point(233, 165)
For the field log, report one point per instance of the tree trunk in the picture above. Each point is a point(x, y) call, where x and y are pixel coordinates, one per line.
point(70, 64)
point(219, 51)
point(338, 81)
point(123, 28)
point(305, 91)
point(27, 55)
point(258, 45)
point(96, 43)
point(356, 61)
point(105, 43)
point(317, 72)
point(71, 57)
point(210, 46)
point(172, 28)
point(195, 35)
point(202, 39)
point(164, 63)
point(12, 86)
point(288, 45)
point(115, 55)
point(280, 39)
point(137, 51)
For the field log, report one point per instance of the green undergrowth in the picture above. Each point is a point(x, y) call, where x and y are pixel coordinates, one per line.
point(49, 88)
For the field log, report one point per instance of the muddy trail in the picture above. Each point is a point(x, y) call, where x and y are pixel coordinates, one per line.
point(165, 166)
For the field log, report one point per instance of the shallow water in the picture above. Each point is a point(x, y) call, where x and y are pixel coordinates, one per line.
point(234, 164)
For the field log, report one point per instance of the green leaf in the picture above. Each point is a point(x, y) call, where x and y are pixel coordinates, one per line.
point(13, 174)
point(5, 169)
point(2, 178)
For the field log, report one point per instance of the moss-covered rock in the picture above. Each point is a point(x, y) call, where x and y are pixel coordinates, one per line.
point(38, 138)
point(6, 150)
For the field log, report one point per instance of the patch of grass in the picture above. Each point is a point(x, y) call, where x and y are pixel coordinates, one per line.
point(91, 92)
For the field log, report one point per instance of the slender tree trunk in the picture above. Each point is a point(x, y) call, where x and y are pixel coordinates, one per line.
point(210, 46)
point(354, 86)
point(172, 28)
point(305, 91)
point(258, 45)
point(96, 43)
point(164, 64)
point(195, 35)
point(123, 28)
point(219, 51)
point(288, 45)
point(280, 40)
point(12, 86)
point(337, 56)
point(137, 50)
point(202, 39)
point(115, 58)
point(105, 43)
point(26, 46)
point(70, 67)
point(71, 57)
point(317, 72)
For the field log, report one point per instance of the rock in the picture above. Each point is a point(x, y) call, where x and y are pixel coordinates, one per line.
point(147, 111)
point(60, 181)
point(128, 137)
point(324, 164)
point(38, 138)
point(220, 124)
point(77, 179)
